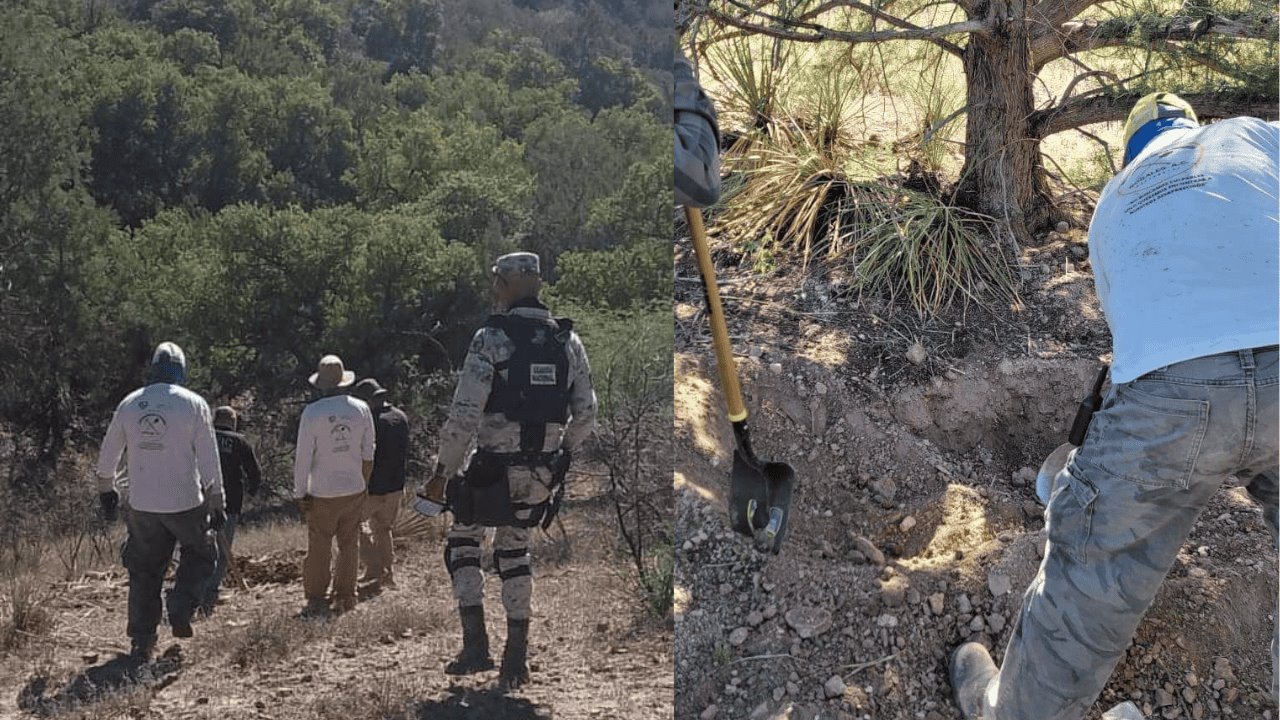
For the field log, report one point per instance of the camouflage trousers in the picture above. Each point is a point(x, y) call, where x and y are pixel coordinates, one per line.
point(463, 550)
point(1154, 456)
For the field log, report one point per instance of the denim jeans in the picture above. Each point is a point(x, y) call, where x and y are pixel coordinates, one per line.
point(223, 562)
point(1153, 458)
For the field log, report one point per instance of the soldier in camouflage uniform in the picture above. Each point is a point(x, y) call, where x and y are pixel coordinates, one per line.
point(496, 386)
point(697, 159)
point(1183, 244)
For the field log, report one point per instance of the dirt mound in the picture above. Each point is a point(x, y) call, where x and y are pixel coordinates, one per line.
point(915, 525)
point(278, 568)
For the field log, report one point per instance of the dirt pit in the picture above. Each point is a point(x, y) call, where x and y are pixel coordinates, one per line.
point(915, 525)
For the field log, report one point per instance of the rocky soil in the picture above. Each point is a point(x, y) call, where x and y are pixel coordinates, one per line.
point(915, 524)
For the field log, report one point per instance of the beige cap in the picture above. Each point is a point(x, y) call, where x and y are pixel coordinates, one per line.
point(331, 374)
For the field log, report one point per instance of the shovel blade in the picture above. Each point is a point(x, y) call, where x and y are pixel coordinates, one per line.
point(779, 480)
point(760, 499)
point(747, 494)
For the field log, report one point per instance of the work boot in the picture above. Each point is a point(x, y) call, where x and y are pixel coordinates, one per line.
point(474, 657)
point(316, 608)
point(971, 671)
point(141, 648)
point(515, 666)
point(181, 626)
point(344, 605)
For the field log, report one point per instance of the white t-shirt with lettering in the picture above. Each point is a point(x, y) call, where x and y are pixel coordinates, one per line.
point(165, 433)
point(1184, 247)
point(335, 436)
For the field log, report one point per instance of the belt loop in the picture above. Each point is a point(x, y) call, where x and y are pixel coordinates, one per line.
point(1247, 360)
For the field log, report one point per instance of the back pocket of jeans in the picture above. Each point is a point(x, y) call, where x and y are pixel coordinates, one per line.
point(1147, 439)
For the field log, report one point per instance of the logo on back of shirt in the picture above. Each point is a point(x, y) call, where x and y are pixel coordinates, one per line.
point(340, 434)
point(1162, 174)
point(152, 428)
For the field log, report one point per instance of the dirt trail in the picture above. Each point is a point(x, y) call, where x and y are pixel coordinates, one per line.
point(916, 525)
point(255, 659)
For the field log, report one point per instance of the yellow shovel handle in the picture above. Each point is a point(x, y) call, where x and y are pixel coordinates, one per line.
point(719, 331)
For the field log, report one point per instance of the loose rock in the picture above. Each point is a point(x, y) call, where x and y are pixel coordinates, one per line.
point(834, 687)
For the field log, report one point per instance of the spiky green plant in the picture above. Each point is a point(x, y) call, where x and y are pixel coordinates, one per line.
point(905, 244)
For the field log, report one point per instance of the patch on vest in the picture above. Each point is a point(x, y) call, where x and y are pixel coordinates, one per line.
point(542, 374)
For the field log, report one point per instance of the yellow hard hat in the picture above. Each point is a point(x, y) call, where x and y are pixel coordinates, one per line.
point(1159, 106)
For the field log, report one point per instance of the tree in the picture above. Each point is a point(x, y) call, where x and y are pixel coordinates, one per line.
point(403, 33)
point(1219, 54)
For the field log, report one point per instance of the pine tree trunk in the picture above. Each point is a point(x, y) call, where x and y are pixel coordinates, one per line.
point(1003, 175)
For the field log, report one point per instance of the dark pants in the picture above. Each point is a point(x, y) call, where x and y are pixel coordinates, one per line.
point(147, 551)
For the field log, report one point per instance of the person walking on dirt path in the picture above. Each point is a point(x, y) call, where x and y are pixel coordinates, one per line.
point(386, 484)
point(697, 140)
point(525, 395)
point(165, 434)
point(1184, 251)
point(330, 473)
point(240, 473)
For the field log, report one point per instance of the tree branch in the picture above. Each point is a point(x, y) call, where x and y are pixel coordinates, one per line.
point(1116, 106)
point(899, 22)
point(1048, 15)
point(1071, 37)
point(803, 31)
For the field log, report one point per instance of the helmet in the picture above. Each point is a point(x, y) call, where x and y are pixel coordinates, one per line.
point(1151, 116)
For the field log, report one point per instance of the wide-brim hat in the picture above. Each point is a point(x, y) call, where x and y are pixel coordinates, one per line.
point(331, 374)
point(368, 389)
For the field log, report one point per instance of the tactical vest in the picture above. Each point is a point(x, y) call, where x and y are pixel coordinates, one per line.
point(536, 388)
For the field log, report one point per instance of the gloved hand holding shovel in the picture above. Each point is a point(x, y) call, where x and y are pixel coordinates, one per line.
point(430, 500)
point(759, 492)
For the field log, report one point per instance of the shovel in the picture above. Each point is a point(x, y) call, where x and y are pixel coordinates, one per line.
point(759, 492)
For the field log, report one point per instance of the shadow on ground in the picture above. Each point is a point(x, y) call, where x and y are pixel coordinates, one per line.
point(93, 684)
point(471, 704)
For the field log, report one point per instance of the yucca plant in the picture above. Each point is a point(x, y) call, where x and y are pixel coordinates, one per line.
point(902, 243)
point(912, 246)
point(749, 86)
point(794, 188)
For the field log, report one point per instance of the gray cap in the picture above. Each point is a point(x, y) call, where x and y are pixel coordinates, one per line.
point(368, 389)
point(517, 263)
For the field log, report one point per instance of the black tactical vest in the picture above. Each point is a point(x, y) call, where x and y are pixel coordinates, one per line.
point(536, 388)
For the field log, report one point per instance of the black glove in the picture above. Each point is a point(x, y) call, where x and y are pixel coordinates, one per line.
point(217, 519)
point(560, 463)
point(108, 505)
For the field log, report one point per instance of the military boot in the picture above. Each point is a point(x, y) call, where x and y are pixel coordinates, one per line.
point(474, 657)
point(971, 671)
point(515, 667)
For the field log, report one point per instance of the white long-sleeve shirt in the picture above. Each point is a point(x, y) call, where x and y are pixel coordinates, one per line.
point(1183, 245)
point(335, 436)
point(165, 433)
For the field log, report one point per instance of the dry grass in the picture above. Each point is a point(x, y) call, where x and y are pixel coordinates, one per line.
point(267, 638)
point(393, 617)
point(23, 615)
point(387, 697)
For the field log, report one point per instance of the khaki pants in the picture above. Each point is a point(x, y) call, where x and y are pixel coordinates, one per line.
point(376, 550)
point(332, 519)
